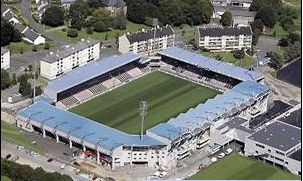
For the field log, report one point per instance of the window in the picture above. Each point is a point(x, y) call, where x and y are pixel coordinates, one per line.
point(280, 153)
point(257, 152)
point(258, 145)
point(269, 150)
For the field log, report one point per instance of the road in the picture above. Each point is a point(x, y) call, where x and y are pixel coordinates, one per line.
point(39, 161)
point(24, 5)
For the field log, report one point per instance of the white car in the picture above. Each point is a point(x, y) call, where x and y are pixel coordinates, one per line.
point(156, 174)
point(62, 166)
point(214, 159)
point(228, 151)
point(221, 155)
point(163, 174)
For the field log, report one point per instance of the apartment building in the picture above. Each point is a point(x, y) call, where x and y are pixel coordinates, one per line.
point(147, 43)
point(60, 62)
point(219, 38)
point(279, 144)
point(5, 58)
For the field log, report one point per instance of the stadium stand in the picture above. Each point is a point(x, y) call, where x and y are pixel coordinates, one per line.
point(207, 70)
point(96, 78)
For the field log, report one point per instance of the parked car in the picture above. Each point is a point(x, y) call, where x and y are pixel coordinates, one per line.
point(62, 166)
point(163, 174)
point(50, 160)
point(214, 159)
point(156, 174)
point(221, 155)
point(8, 156)
point(228, 151)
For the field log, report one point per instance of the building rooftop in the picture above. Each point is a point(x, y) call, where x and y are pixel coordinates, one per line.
point(4, 7)
point(31, 34)
point(4, 50)
point(295, 118)
point(297, 155)
point(20, 27)
point(235, 11)
point(83, 128)
point(204, 113)
point(235, 122)
point(146, 35)
point(279, 135)
point(211, 64)
point(68, 50)
point(218, 31)
point(114, 3)
point(67, 1)
point(242, 128)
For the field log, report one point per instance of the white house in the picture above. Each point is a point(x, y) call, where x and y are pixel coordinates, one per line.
point(57, 63)
point(5, 58)
point(30, 35)
point(147, 43)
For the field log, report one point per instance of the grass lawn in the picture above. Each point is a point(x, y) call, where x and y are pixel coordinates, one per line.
point(12, 134)
point(167, 96)
point(5, 178)
point(236, 167)
point(228, 57)
point(279, 30)
point(17, 47)
point(131, 27)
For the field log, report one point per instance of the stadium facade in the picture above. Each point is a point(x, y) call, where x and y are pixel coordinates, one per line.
point(163, 145)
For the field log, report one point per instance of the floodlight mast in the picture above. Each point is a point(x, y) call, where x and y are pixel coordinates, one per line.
point(143, 111)
point(155, 25)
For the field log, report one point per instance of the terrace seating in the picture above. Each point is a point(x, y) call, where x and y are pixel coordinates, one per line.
point(124, 77)
point(110, 83)
point(69, 101)
point(98, 88)
point(145, 69)
point(135, 72)
point(83, 95)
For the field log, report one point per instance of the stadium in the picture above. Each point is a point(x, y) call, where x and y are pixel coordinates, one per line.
point(95, 107)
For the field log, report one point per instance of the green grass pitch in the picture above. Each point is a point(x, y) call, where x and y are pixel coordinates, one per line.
point(167, 96)
point(236, 167)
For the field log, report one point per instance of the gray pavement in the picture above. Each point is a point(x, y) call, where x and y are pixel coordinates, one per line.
point(266, 44)
point(39, 161)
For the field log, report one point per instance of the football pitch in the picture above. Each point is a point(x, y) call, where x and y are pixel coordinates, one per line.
point(236, 167)
point(166, 96)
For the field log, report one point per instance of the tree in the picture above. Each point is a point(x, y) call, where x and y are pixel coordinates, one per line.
point(293, 37)
point(72, 33)
point(283, 42)
point(101, 20)
point(239, 54)
point(268, 16)
point(121, 21)
point(9, 33)
point(275, 60)
point(293, 50)
point(226, 19)
point(78, 12)
point(136, 11)
point(89, 30)
point(257, 4)
point(34, 48)
point(5, 79)
point(25, 86)
point(53, 16)
point(14, 79)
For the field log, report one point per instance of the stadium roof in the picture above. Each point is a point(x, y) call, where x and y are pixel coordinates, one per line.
point(211, 64)
point(79, 127)
point(278, 135)
point(88, 72)
point(205, 113)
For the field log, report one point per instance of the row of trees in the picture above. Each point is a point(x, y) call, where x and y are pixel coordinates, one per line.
point(174, 12)
point(19, 172)
point(84, 14)
point(269, 13)
point(8, 33)
point(25, 88)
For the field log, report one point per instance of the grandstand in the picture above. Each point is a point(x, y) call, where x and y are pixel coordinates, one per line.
point(95, 78)
point(165, 143)
point(205, 69)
